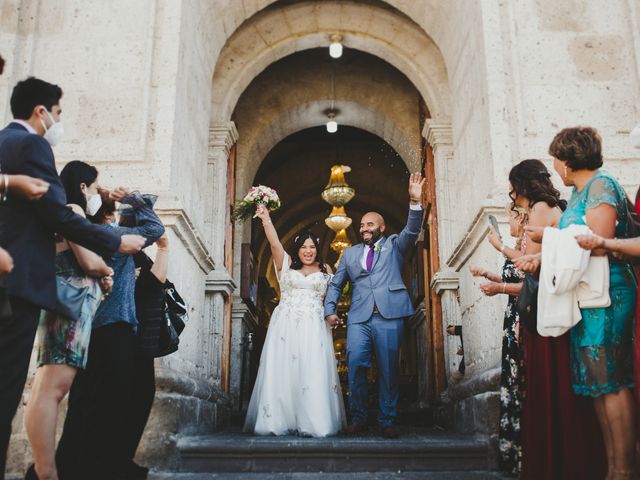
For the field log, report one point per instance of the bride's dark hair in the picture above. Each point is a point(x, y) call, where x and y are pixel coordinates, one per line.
point(298, 242)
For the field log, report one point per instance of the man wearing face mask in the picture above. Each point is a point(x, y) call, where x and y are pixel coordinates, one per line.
point(27, 231)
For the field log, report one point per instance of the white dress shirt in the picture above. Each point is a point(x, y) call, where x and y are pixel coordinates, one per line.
point(29, 128)
point(363, 261)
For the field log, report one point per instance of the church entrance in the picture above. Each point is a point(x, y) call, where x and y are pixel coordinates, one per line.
point(299, 169)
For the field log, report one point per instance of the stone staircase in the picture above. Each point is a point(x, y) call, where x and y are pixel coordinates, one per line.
point(420, 452)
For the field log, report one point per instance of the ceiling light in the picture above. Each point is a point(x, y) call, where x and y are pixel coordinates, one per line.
point(332, 125)
point(335, 48)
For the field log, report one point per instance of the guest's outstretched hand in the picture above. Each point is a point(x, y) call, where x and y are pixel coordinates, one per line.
point(28, 187)
point(416, 182)
point(528, 263)
point(589, 242)
point(478, 271)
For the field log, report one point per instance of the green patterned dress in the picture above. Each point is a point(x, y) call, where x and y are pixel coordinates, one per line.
point(60, 340)
point(602, 343)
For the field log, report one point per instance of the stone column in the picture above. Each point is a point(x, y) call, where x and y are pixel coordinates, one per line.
point(446, 283)
point(219, 284)
point(440, 136)
point(222, 137)
point(244, 322)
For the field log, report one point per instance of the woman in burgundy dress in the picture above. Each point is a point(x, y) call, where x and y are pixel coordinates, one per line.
point(560, 434)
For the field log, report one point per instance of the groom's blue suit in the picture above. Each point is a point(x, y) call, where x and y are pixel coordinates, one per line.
point(379, 303)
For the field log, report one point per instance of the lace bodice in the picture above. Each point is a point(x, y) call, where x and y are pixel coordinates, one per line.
point(297, 289)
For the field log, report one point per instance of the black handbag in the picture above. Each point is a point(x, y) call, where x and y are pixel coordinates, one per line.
point(528, 303)
point(177, 307)
point(174, 319)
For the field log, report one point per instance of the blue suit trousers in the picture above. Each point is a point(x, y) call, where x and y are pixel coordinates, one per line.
point(384, 337)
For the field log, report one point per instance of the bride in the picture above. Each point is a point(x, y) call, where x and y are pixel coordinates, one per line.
point(297, 389)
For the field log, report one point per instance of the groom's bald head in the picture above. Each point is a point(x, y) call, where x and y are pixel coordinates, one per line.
point(372, 216)
point(371, 227)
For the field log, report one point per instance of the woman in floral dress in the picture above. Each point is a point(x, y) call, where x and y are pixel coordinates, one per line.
point(512, 377)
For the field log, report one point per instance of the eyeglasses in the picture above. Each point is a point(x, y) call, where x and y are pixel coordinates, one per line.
point(513, 195)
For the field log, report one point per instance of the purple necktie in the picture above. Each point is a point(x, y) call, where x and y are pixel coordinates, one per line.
point(370, 257)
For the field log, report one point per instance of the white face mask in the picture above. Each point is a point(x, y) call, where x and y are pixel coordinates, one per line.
point(94, 202)
point(54, 133)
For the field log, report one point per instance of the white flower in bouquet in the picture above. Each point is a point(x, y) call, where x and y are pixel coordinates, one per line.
point(260, 195)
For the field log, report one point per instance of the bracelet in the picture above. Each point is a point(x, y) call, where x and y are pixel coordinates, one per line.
point(266, 222)
point(504, 287)
point(163, 249)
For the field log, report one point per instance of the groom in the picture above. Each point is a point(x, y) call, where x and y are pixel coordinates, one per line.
point(379, 304)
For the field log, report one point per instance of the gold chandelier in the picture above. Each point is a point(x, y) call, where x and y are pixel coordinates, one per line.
point(338, 220)
point(341, 242)
point(337, 192)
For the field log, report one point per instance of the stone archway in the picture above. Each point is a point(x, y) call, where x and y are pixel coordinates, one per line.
point(278, 32)
point(408, 82)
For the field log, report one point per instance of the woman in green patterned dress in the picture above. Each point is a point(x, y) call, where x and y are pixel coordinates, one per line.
point(602, 343)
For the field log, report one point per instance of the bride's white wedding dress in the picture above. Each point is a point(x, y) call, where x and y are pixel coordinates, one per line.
point(297, 389)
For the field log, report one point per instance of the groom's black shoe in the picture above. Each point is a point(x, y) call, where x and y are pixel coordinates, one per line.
point(355, 429)
point(391, 432)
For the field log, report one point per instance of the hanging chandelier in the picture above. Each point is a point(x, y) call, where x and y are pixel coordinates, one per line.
point(337, 192)
point(341, 242)
point(338, 220)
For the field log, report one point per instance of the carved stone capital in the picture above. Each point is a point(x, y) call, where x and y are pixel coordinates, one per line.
point(476, 233)
point(222, 137)
point(220, 281)
point(445, 280)
point(438, 134)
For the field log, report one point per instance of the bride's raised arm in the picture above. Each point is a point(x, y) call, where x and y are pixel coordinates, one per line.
point(277, 250)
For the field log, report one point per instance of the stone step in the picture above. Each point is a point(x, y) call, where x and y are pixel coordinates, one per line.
point(470, 475)
point(432, 452)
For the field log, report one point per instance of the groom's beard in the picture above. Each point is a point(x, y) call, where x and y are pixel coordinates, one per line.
point(375, 236)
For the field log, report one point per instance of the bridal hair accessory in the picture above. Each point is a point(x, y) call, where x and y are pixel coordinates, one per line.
point(298, 238)
point(260, 195)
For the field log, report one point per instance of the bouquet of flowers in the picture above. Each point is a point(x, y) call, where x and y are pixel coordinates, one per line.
point(259, 195)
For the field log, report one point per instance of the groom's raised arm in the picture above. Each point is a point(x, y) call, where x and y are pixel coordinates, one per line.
point(411, 231)
point(334, 290)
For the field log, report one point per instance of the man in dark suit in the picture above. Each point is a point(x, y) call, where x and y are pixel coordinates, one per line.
point(27, 231)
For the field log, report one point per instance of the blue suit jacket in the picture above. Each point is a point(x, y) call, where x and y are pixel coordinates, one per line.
point(27, 228)
point(383, 286)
